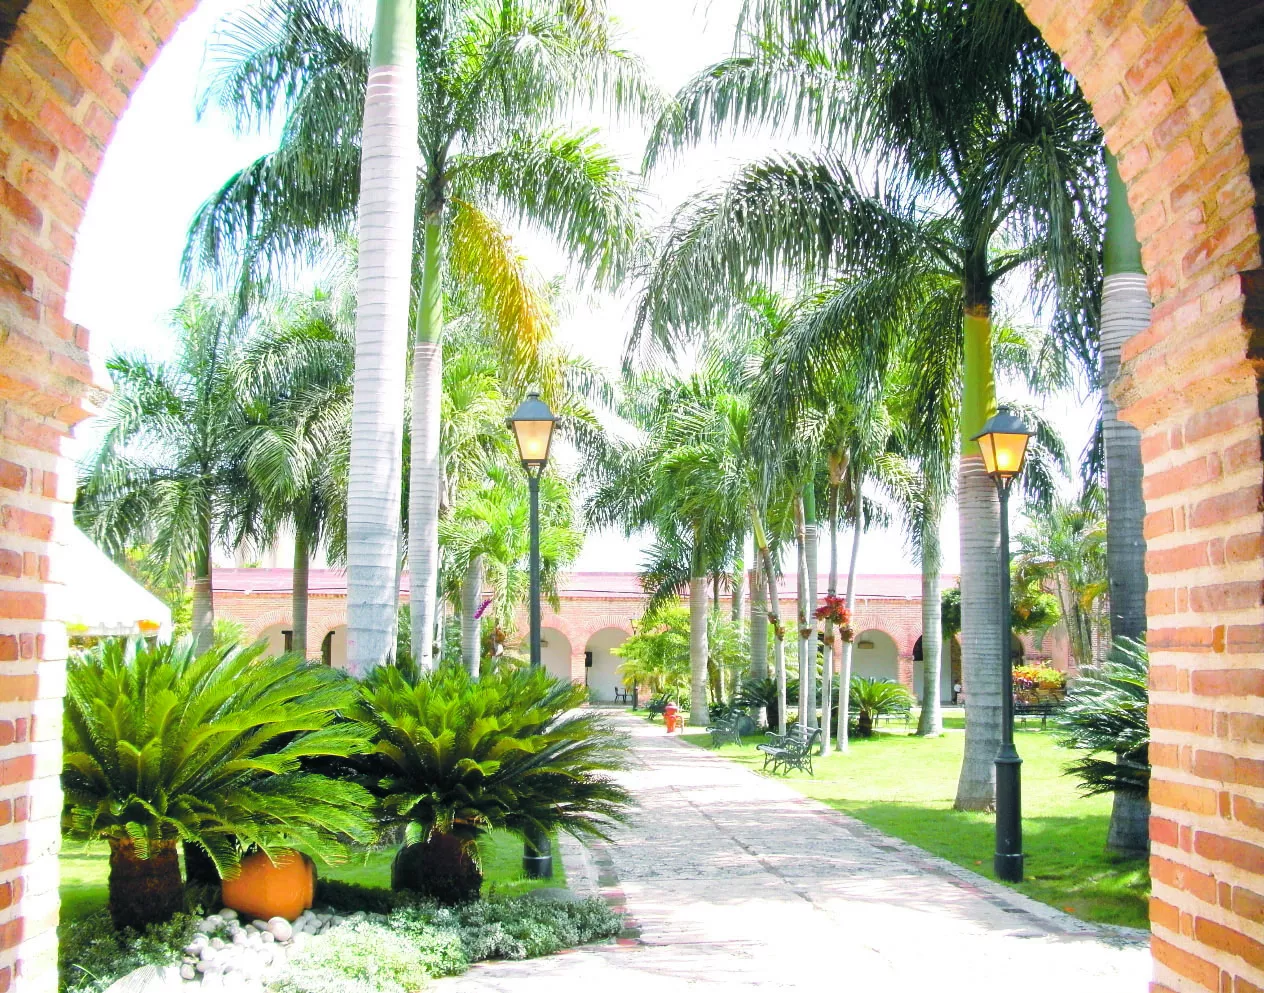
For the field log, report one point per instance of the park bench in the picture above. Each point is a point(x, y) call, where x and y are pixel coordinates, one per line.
point(622, 695)
point(793, 750)
point(730, 727)
point(1041, 709)
point(656, 706)
point(898, 714)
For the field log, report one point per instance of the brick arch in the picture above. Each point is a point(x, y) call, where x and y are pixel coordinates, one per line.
point(67, 68)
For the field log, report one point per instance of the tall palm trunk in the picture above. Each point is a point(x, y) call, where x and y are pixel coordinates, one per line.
point(801, 604)
point(979, 510)
point(844, 678)
point(423, 486)
point(758, 628)
point(811, 542)
point(471, 587)
point(774, 615)
point(931, 720)
point(298, 595)
point(1125, 312)
point(203, 607)
point(698, 713)
point(737, 608)
point(827, 687)
point(387, 202)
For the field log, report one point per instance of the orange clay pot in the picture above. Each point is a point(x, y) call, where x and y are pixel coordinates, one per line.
point(263, 889)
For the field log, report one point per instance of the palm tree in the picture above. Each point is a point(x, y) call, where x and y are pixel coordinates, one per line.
point(992, 166)
point(663, 482)
point(168, 471)
point(163, 745)
point(487, 536)
point(296, 376)
point(1125, 312)
point(496, 80)
point(1065, 545)
point(387, 103)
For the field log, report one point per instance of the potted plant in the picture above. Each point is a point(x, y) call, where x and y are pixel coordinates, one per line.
point(456, 757)
point(162, 745)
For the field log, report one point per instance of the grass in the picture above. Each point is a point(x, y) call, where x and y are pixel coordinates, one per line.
point(85, 870)
point(904, 785)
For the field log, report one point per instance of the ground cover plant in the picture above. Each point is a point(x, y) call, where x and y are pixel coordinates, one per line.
point(904, 785)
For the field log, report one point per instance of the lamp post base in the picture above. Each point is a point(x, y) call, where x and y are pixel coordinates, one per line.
point(1008, 861)
point(537, 857)
point(1008, 867)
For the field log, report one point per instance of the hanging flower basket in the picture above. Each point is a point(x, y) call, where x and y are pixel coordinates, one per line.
point(834, 610)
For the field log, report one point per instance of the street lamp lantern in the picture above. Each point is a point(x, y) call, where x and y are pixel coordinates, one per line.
point(1003, 442)
point(532, 425)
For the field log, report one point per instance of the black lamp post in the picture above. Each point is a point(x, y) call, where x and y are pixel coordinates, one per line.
point(1003, 442)
point(532, 426)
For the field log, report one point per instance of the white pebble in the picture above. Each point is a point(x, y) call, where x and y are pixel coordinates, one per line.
point(267, 937)
point(228, 914)
point(281, 929)
point(217, 943)
point(187, 971)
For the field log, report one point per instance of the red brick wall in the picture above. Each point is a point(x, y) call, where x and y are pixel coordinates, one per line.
point(1190, 384)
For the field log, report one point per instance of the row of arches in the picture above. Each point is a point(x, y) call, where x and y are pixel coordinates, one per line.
point(875, 655)
point(333, 645)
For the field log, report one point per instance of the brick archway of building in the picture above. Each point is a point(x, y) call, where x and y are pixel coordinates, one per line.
point(1167, 102)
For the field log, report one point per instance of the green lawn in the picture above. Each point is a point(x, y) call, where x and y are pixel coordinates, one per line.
point(904, 785)
point(85, 869)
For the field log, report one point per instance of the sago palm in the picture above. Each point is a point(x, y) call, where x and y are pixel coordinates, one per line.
point(1106, 714)
point(164, 746)
point(456, 758)
point(168, 470)
point(874, 698)
point(494, 87)
point(992, 163)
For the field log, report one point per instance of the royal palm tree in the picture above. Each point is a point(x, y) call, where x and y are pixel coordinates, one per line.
point(487, 537)
point(496, 81)
point(992, 168)
point(296, 376)
point(1125, 312)
point(168, 471)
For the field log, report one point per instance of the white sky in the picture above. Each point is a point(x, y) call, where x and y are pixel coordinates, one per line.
point(163, 163)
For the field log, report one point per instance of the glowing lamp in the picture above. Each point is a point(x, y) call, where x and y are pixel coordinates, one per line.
point(532, 426)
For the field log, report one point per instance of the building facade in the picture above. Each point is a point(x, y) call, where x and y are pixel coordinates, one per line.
point(596, 613)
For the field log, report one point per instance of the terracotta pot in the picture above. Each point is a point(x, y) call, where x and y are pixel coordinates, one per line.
point(263, 889)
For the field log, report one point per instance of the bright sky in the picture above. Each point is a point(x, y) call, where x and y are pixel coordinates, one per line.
point(163, 163)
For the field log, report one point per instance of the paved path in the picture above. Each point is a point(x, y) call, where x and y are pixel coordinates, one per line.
point(736, 881)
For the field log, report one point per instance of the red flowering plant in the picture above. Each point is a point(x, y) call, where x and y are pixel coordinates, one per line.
point(834, 611)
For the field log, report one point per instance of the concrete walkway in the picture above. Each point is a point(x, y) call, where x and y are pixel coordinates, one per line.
point(730, 880)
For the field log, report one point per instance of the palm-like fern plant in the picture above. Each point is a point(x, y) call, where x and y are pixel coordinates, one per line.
point(872, 698)
point(1106, 715)
point(458, 757)
point(164, 746)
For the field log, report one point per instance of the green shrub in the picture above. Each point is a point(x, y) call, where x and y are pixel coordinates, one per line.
point(873, 698)
point(91, 954)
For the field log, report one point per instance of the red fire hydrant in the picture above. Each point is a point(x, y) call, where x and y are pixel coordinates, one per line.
point(670, 715)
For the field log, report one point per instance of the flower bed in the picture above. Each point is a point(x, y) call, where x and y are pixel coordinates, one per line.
point(1036, 684)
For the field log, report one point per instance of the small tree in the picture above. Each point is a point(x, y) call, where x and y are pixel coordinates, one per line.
point(657, 655)
point(1105, 714)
